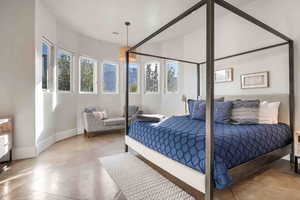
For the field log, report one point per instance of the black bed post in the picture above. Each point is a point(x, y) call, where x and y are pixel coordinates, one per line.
point(126, 98)
point(198, 81)
point(209, 141)
point(292, 94)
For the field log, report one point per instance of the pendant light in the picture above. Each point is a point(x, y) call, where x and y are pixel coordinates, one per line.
point(123, 49)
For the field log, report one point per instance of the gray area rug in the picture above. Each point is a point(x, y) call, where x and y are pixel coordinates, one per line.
point(139, 181)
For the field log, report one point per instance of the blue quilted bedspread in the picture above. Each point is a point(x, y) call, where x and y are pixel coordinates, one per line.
point(183, 139)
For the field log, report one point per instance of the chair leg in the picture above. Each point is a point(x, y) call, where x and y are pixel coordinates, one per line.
point(89, 134)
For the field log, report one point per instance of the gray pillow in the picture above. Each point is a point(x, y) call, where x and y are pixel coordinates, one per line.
point(245, 111)
point(132, 110)
point(90, 109)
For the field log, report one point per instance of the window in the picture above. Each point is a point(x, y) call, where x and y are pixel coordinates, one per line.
point(172, 75)
point(110, 78)
point(87, 75)
point(64, 70)
point(46, 61)
point(133, 78)
point(152, 77)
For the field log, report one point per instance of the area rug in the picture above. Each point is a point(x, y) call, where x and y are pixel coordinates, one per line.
point(139, 181)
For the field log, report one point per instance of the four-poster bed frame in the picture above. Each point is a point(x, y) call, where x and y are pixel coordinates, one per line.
point(210, 59)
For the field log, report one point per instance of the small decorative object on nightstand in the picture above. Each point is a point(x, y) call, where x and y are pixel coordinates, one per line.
point(297, 149)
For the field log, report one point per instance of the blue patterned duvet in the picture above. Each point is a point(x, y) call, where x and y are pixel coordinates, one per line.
point(183, 139)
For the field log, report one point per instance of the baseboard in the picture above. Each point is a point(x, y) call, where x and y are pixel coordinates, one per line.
point(45, 144)
point(65, 134)
point(80, 131)
point(24, 152)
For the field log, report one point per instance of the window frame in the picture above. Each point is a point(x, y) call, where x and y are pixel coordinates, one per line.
point(166, 77)
point(138, 78)
point(117, 77)
point(71, 70)
point(159, 77)
point(95, 76)
point(50, 62)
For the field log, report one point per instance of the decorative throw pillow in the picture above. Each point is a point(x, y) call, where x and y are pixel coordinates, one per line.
point(268, 112)
point(100, 114)
point(222, 111)
point(245, 111)
point(192, 101)
point(90, 109)
point(198, 110)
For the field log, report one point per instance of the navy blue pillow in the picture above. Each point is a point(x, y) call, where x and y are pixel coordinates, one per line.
point(198, 110)
point(192, 101)
point(222, 112)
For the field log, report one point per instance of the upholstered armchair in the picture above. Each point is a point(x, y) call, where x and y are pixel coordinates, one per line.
point(92, 124)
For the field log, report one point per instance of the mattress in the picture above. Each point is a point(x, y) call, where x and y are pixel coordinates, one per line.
point(183, 139)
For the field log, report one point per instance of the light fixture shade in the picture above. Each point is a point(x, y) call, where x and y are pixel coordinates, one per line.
point(122, 54)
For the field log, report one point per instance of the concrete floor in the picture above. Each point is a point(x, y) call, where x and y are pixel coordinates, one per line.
point(70, 170)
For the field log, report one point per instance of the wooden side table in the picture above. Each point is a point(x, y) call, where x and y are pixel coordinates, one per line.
point(297, 150)
point(6, 132)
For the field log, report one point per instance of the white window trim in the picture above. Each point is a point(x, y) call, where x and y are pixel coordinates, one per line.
point(50, 62)
point(95, 76)
point(138, 78)
point(71, 71)
point(102, 77)
point(159, 83)
point(166, 77)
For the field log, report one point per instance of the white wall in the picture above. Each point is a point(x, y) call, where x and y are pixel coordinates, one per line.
point(17, 71)
point(59, 113)
point(234, 35)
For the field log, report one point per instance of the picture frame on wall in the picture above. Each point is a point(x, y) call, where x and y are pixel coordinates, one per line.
point(255, 80)
point(224, 75)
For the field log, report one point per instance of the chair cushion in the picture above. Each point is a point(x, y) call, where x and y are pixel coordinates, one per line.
point(100, 114)
point(114, 121)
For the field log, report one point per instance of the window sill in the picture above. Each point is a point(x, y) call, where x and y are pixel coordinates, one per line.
point(64, 92)
point(152, 93)
point(110, 93)
point(87, 93)
point(46, 90)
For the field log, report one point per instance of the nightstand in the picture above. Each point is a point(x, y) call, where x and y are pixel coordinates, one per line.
point(297, 150)
point(6, 132)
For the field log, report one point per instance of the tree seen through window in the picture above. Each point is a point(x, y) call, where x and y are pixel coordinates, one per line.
point(87, 67)
point(64, 63)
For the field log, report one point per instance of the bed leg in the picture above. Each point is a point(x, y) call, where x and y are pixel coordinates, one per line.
point(126, 148)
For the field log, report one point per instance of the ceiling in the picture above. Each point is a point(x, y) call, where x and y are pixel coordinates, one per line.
point(99, 18)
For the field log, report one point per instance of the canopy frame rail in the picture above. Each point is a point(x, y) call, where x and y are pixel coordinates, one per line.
point(164, 58)
point(210, 45)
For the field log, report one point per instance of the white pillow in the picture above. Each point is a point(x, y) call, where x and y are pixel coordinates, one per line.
point(100, 114)
point(268, 112)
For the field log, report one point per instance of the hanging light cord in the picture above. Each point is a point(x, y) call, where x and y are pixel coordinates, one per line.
point(127, 26)
point(127, 34)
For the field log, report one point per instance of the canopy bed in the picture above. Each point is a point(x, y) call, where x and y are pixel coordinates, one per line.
point(204, 154)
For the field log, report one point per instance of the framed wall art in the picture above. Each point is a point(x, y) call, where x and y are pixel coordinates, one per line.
point(224, 75)
point(255, 80)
